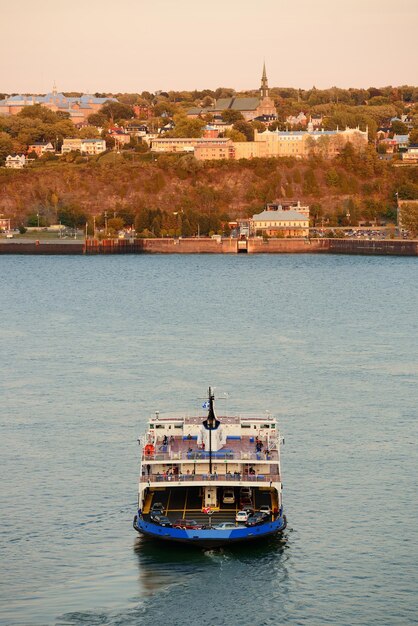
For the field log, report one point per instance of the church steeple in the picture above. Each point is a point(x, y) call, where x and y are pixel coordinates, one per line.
point(264, 90)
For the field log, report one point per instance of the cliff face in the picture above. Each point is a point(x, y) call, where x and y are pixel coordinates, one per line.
point(364, 187)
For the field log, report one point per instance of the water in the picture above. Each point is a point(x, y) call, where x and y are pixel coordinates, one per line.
point(92, 346)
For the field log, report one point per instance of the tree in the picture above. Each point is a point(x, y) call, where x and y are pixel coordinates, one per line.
point(413, 136)
point(89, 132)
point(97, 119)
point(72, 215)
point(115, 224)
point(6, 146)
point(235, 135)
point(115, 111)
point(185, 127)
point(399, 128)
point(245, 128)
point(230, 116)
point(409, 218)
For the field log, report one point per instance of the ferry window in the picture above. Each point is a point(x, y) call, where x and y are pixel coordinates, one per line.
point(178, 425)
point(265, 426)
point(245, 426)
point(273, 425)
point(159, 426)
point(151, 425)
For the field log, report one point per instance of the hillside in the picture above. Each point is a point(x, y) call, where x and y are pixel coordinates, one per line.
point(171, 193)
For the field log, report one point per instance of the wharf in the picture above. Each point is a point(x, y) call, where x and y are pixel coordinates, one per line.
point(207, 245)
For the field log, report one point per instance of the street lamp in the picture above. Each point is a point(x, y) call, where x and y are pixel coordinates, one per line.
point(37, 215)
point(105, 216)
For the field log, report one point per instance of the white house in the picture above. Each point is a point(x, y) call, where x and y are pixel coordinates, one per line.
point(16, 161)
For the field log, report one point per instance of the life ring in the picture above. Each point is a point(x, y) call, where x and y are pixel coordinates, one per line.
point(149, 449)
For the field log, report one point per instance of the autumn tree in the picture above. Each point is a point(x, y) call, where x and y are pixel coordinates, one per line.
point(230, 116)
point(409, 217)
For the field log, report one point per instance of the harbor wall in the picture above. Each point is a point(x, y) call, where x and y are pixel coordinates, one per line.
point(41, 247)
point(379, 247)
point(212, 246)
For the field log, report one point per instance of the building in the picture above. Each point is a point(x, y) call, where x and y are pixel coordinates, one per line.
point(4, 224)
point(251, 108)
point(297, 120)
point(85, 146)
point(78, 108)
point(40, 148)
point(302, 143)
point(136, 129)
point(119, 135)
point(411, 154)
point(210, 132)
point(280, 223)
point(16, 161)
point(401, 141)
point(201, 147)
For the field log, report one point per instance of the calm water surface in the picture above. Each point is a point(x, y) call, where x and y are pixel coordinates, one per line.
point(92, 346)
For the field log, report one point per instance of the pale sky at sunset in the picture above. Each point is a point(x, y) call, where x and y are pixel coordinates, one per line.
point(136, 45)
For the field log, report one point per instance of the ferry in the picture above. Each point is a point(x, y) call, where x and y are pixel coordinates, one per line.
point(210, 481)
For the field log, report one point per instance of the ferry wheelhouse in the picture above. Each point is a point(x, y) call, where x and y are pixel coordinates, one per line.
point(210, 481)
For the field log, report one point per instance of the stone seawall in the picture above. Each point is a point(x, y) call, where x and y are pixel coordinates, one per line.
point(382, 247)
point(287, 246)
point(212, 246)
point(41, 247)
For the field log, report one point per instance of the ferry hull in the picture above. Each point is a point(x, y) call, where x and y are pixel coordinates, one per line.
point(210, 538)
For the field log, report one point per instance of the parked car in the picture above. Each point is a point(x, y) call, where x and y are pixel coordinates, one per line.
point(257, 518)
point(225, 526)
point(158, 508)
point(187, 523)
point(242, 516)
point(245, 492)
point(161, 520)
point(228, 496)
point(245, 502)
point(265, 508)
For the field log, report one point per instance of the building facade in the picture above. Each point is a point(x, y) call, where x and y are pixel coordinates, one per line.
point(78, 108)
point(15, 161)
point(280, 223)
point(41, 147)
point(85, 146)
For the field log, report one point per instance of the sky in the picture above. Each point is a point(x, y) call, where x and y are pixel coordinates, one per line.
point(149, 45)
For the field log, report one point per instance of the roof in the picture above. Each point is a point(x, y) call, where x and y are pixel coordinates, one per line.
point(273, 216)
point(401, 138)
point(197, 111)
point(236, 104)
point(58, 98)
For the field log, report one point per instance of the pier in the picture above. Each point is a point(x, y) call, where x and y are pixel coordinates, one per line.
point(207, 245)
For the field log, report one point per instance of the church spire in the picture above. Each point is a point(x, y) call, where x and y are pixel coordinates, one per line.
point(264, 90)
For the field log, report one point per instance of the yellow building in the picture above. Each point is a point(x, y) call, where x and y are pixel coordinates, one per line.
point(302, 143)
point(280, 223)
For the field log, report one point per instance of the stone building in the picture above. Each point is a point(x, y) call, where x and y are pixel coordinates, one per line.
point(280, 223)
point(78, 108)
point(251, 108)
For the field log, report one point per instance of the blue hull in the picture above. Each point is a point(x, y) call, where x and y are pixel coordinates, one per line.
point(210, 538)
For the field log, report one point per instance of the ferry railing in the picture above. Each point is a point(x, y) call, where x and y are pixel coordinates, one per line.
point(203, 455)
point(228, 477)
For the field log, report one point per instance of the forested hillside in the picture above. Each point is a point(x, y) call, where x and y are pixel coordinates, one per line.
point(177, 194)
